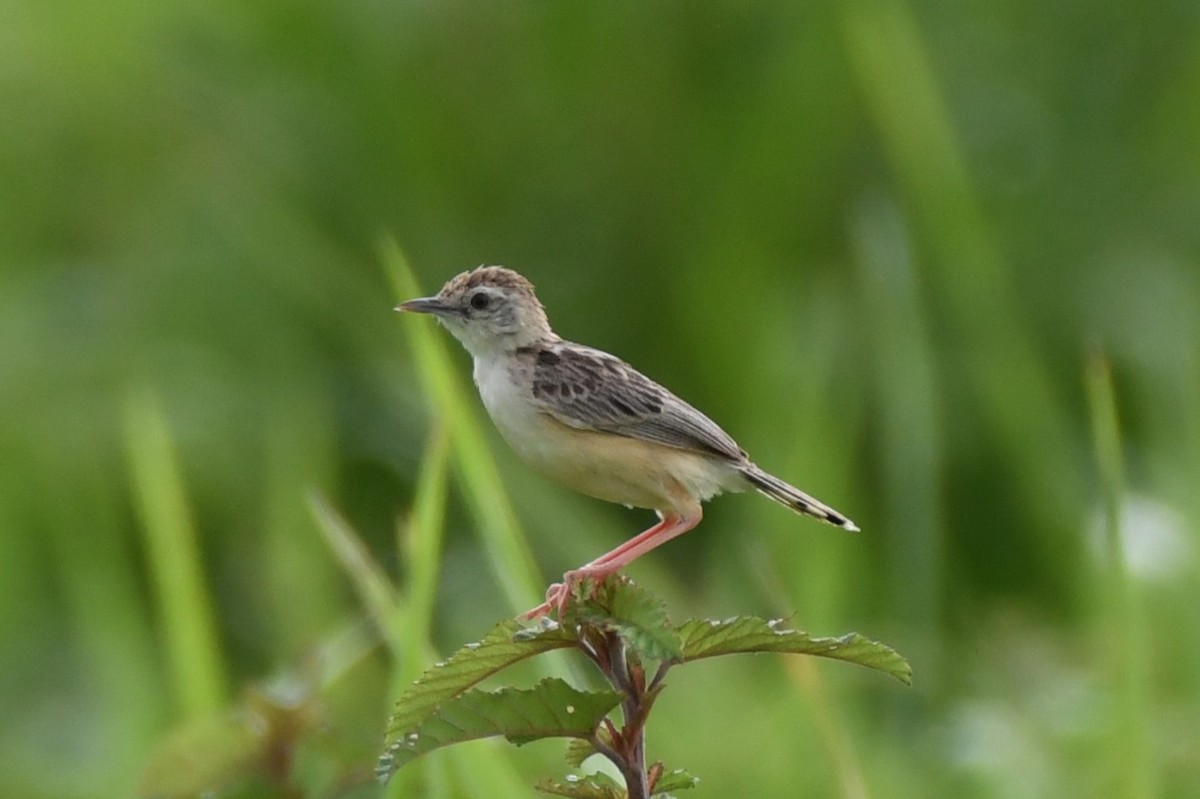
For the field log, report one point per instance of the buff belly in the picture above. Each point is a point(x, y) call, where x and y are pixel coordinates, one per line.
point(624, 470)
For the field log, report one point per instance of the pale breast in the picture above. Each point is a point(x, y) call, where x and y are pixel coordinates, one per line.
point(502, 384)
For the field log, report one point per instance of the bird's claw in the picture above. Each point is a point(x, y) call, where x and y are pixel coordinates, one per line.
point(558, 595)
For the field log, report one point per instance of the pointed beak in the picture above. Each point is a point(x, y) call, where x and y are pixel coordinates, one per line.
point(431, 305)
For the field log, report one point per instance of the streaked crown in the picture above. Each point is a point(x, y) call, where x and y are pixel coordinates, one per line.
point(493, 308)
point(493, 277)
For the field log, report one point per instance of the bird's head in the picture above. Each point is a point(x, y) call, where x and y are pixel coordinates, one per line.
point(490, 309)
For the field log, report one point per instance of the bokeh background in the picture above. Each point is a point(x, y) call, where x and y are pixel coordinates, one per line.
point(910, 254)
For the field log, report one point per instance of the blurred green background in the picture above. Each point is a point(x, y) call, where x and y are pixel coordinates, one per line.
point(908, 254)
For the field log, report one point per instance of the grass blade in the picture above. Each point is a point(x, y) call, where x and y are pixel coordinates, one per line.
point(422, 544)
point(898, 80)
point(1124, 629)
point(174, 557)
point(374, 588)
point(507, 549)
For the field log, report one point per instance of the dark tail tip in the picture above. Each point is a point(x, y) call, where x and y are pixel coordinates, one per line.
point(842, 522)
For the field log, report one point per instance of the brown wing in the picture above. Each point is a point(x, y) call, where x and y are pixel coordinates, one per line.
point(592, 390)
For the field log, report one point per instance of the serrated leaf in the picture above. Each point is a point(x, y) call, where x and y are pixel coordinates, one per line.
point(748, 634)
point(578, 750)
point(593, 786)
point(506, 644)
point(675, 780)
point(639, 617)
point(550, 709)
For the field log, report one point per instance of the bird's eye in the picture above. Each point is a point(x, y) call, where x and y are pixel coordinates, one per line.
point(480, 301)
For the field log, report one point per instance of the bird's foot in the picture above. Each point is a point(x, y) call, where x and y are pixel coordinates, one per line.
point(550, 604)
point(558, 595)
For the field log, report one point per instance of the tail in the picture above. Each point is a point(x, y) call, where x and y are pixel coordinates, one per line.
point(771, 486)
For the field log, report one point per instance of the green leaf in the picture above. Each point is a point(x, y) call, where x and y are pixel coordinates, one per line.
point(581, 749)
point(506, 644)
point(550, 709)
point(747, 634)
point(601, 786)
point(593, 786)
point(638, 616)
point(675, 780)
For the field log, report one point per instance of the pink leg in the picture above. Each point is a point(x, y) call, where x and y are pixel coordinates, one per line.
point(645, 535)
point(671, 526)
point(617, 559)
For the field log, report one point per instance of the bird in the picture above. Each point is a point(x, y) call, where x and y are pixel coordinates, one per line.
point(587, 419)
